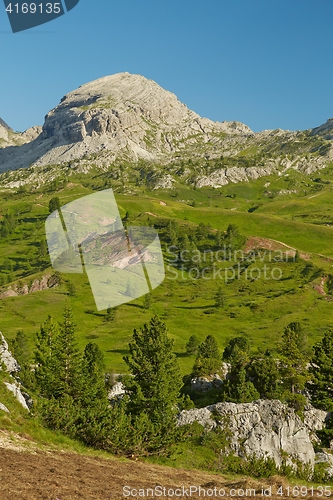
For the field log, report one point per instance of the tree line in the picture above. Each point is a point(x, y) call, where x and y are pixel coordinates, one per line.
point(291, 372)
point(71, 394)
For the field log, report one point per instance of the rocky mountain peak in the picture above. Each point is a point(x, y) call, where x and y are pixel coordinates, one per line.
point(4, 125)
point(130, 117)
point(325, 130)
point(4, 129)
point(119, 115)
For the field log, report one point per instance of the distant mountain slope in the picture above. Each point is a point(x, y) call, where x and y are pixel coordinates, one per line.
point(10, 138)
point(129, 117)
point(4, 125)
point(122, 114)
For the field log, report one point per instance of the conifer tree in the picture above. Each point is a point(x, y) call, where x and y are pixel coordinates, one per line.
point(154, 390)
point(192, 345)
point(54, 204)
point(68, 357)
point(45, 358)
point(264, 374)
point(20, 349)
point(57, 358)
point(208, 359)
point(219, 297)
point(147, 302)
point(93, 387)
point(234, 345)
point(238, 388)
point(321, 368)
point(294, 360)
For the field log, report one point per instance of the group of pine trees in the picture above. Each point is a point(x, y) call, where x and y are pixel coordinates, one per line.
point(291, 373)
point(188, 243)
point(71, 393)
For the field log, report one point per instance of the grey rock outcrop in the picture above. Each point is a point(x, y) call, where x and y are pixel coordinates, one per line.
point(314, 420)
point(325, 130)
point(4, 125)
point(264, 428)
point(6, 357)
point(327, 458)
point(201, 415)
point(43, 283)
point(10, 138)
point(16, 390)
point(204, 384)
point(4, 408)
point(12, 367)
point(117, 391)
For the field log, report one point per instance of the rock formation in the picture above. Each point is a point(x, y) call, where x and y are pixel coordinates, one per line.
point(205, 384)
point(45, 282)
point(119, 114)
point(16, 390)
point(264, 428)
point(116, 392)
point(12, 367)
point(4, 408)
point(128, 117)
point(9, 138)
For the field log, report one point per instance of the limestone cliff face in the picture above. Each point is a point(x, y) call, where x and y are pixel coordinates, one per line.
point(122, 114)
point(264, 428)
point(12, 367)
point(10, 138)
point(10, 363)
point(4, 131)
point(130, 117)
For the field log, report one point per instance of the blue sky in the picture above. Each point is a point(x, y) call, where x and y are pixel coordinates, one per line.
point(266, 63)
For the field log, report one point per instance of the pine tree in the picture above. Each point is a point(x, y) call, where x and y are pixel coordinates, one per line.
point(238, 388)
point(93, 386)
point(57, 358)
point(147, 302)
point(219, 238)
point(264, 374)
point(154, 390)
point(192, 345)
point(236, 344)
point(294, 360)
point(208, 359)
point(68, 357)
point(110, 313)
point(20, 349)
point(54, 204)
point(45, 358)
point(172, 233)
point(219, 297)
point(321, 368)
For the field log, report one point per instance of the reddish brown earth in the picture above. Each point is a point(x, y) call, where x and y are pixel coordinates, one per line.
point(255, 242)
point(43, 475)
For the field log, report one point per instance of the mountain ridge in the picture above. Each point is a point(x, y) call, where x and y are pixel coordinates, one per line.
point(129, 117)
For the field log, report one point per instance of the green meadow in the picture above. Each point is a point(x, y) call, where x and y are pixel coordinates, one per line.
point(293, 209)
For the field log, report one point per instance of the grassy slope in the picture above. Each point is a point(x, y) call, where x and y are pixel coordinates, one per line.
point(260, 311)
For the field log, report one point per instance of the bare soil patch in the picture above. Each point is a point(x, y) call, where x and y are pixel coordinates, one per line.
point(45, 475)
